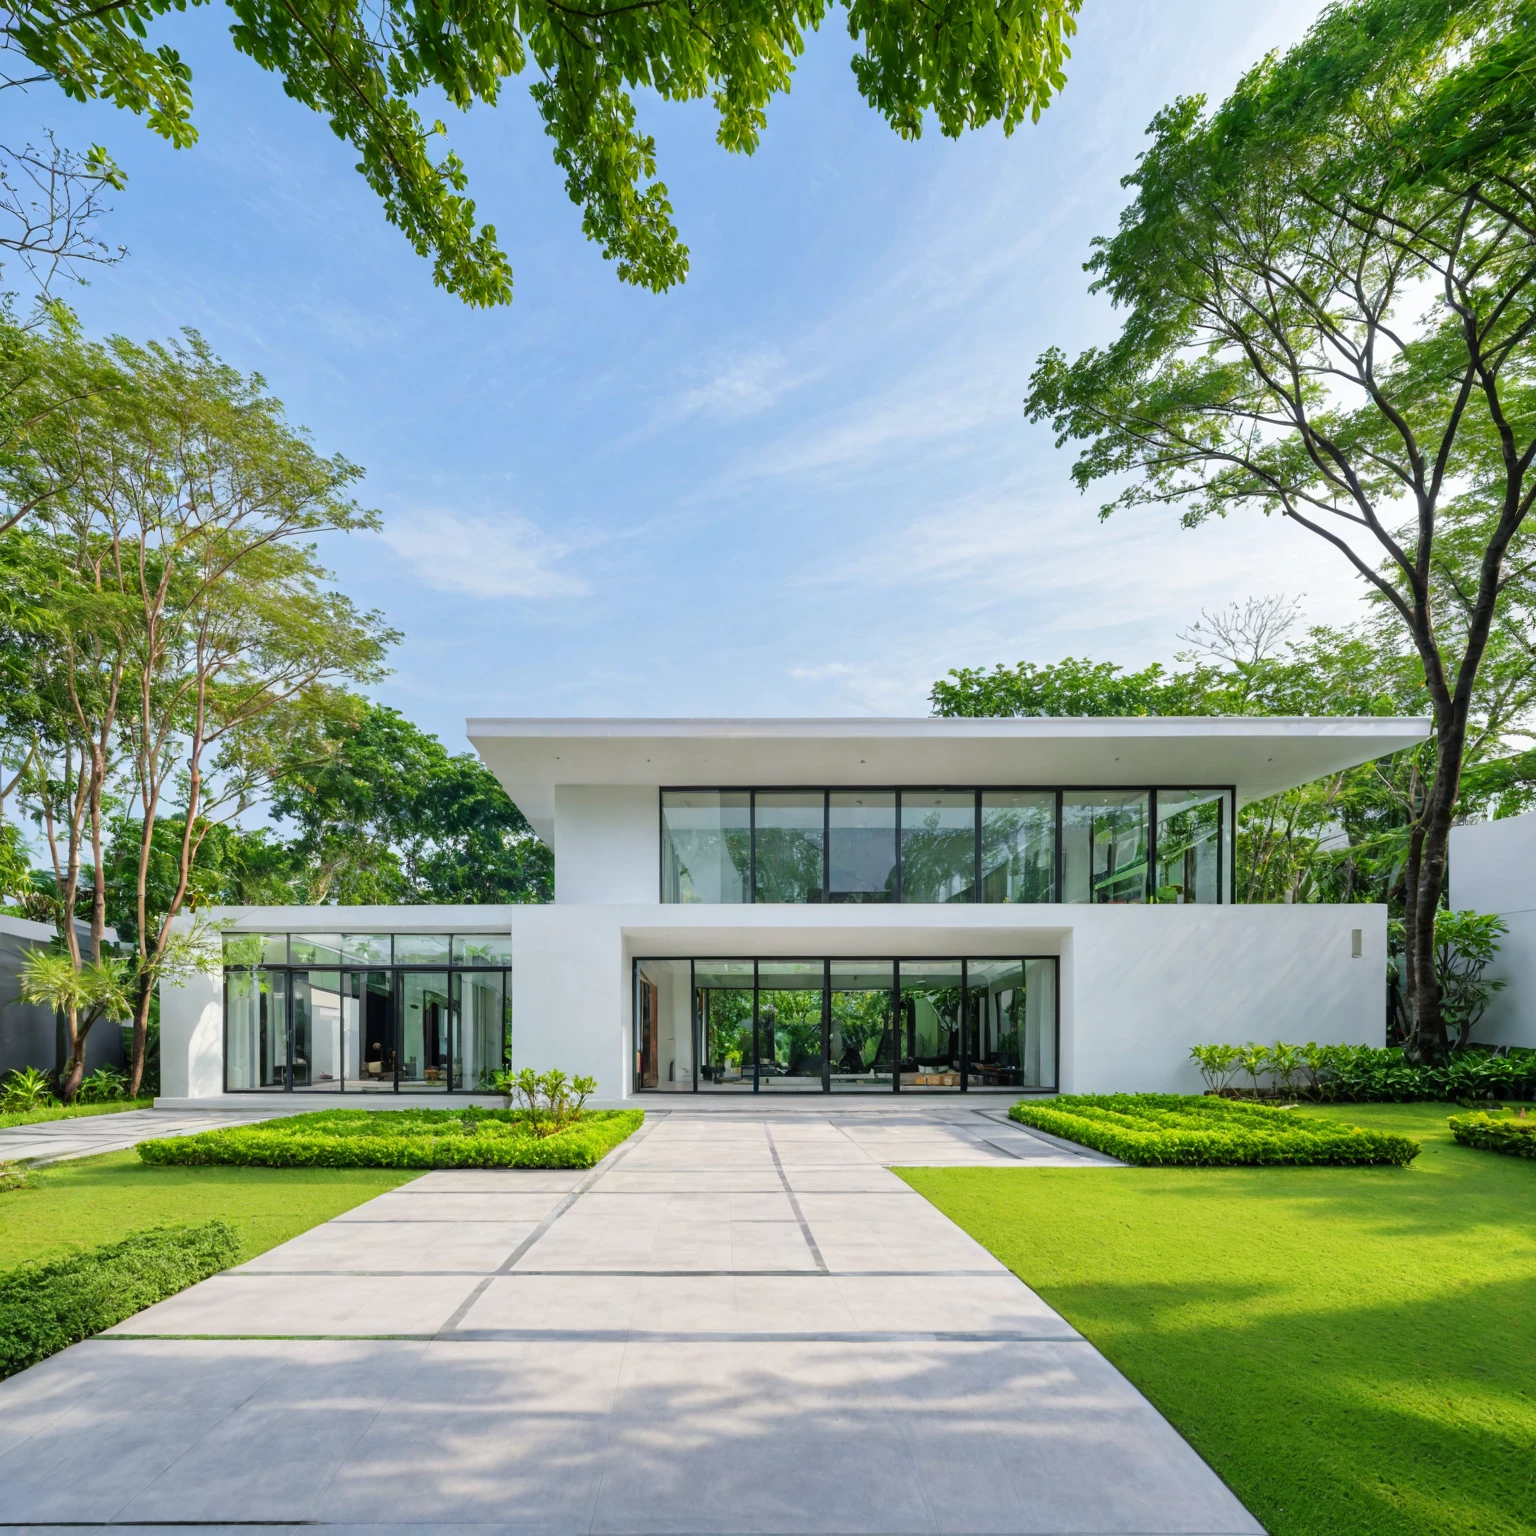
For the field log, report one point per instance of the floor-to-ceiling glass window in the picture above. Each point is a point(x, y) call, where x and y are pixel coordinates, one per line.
point(861, 846)
point(861, 1017)
point(938, 845)
point(482, 1029)
point(1018, 845)
point(789, 845)
point(1190, 840)
point(1104, 845)
point(706, 845)
point(316, 1029)
point(723, 1007)
point(1010, 1023)
point(374, 995)
point(931, 1001)
point(790, 1000)
point(255, 1028)
point(664, 1025)
point(423, 1013)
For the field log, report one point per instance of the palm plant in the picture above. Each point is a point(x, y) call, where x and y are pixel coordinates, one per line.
point(1253, 1059)
point(83, 994)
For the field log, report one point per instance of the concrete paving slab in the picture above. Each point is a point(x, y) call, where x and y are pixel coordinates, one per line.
point(741, 1324)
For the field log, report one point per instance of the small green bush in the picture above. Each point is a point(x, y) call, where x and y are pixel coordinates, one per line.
point(47, 1307)
point(12, 1176)
point(1365, 1074)
point(403, 1138)
point(1157, 1130)
point(1503, 1132)
point(26, 1088)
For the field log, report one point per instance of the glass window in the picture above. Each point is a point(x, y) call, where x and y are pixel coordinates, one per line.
point(1011, 1019)
point(705, 845)
point(256, 1029)
point(482, 1030)
point(861, 861)
point(861, 1041)
point(314, 949)
point(931, 1000)
point(1018, 845)
point(366, 948)
point(938, 845)
point(789, 845)
point(789, 1023)
point(482, 949)
point(255, 949)
point(664, 1026)
point(723, 1000)
point(421, 949)
point(371, 1045)
point(1189, 841)
point(423, 1026)
point(317, 1029)
point(1104, 845)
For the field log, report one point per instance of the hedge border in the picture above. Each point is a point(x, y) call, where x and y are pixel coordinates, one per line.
point(302, 1141)
point(1496, 1133)
point(1165, 1130)
point(47, 1307)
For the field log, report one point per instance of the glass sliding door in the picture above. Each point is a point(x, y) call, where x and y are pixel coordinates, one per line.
point(373, 1065)
point(482, 1030)
point(706, 845)
point(423, 1010)
point(723, 1007)
point(938, 845)
point(664, 1025)
point(255, 1029)
point(791, 1026)
point(861, 1034)
point(1010, 1009)
point(1018, 845)
point(930, 1005)
point(1189, 845)
point(861, 846)
point(1104, 846)
point(317, 1029)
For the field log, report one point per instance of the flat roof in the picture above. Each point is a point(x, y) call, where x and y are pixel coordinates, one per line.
point(1260, 755)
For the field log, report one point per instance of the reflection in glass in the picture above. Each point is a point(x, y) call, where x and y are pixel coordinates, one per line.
point(861, 857)
point(789, 844)
point(421, 949)
point(255, 949)
point(317, 1029)
point(1189, 835)
point(789, 1020)
point(862, 1042)
point(482, 1030)
point(423, 1028)
point(366, 948)
point(256, 1029)
point(482, 949)
point(1018, 845)
point(664, 1026)
point(371, 1061)
point(314, 949)
point(1104, 845)
point(723, 992)
point(1011, 1023)
point(931, 1002)
point(706, 850)
point(938, 845)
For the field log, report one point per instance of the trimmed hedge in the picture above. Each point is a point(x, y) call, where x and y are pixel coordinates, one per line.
point(47, 1307)
point(1157, 1130)
point(403, 1138)
point(1496, 1133)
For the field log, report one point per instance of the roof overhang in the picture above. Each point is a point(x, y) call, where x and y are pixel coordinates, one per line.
point(1260, 755)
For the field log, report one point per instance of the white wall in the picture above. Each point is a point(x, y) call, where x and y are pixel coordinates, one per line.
point(607, 843)
point(1493, 869)
point(192, 1038)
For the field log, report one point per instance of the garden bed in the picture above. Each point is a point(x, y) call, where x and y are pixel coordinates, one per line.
point(406, 1138)
point(1502, 1132)
point(1168, 1130)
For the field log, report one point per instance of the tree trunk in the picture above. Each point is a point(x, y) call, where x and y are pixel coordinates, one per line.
point(1427, 1044)
point(75, 1038)
point(140, 1039)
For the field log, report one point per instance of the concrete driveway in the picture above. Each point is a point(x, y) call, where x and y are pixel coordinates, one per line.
point(734, 1323)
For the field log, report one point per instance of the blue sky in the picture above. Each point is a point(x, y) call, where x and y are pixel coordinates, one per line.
point(800, 484)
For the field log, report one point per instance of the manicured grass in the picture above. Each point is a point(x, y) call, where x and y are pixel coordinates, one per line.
point(1350, 1348)
point(407, 1138)
point(66, 1208)
point(70, 1112)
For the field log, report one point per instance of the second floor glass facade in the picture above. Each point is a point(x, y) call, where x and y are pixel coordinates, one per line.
point(1101, 846)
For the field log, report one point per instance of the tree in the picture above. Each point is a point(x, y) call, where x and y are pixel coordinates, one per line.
point(84, 993)
point(363, 66)
point(1328, 284)
point(383, 813)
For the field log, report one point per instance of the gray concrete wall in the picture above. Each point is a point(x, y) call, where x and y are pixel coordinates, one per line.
point(30, 1035)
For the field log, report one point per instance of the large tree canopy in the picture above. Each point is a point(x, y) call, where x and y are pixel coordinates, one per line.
point(364, 65)
point(1329, 286)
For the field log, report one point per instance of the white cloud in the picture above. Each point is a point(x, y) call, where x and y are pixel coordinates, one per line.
point(749, 383)
point(505, 556)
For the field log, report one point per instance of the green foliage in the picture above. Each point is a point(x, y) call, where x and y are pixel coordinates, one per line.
point(47, 1307)
point(365, 67)
point(1077, 687)
point(95, 988)
point(1218, 1065)
point(1253, 1059)
point(1360, 1074)
point(103, 1086)
point(1466, 943)
point(26, 1089)
point(1502, 1132)
point(12, 1176)
point(52, 1111)
point(1167, 1130)
point(409, 1138)
point(551, 1101)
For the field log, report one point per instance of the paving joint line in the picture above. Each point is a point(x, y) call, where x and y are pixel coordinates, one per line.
point(794, 1203)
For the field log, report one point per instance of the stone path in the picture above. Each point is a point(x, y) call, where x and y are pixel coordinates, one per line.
point(53, 1141)
point(733, 1324)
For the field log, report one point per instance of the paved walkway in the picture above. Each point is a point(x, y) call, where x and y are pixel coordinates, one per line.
point(53, 1141)
point(731, 1325)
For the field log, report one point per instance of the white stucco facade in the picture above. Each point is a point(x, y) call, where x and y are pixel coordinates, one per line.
point(1493, 869)
point(1135, 984)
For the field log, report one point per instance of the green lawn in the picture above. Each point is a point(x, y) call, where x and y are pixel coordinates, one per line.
point(1352, 1349)
point(69, 1206)
point(69, 1112)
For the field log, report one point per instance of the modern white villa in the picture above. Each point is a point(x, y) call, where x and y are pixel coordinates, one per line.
point(867, 906)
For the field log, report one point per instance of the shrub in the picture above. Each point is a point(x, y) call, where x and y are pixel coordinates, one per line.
point(103, 1086)
point(1358, 1074)
point(404, 1138)
point(47, 1307)
point(551, 1101)
point(1170, 1130)
point(12, 1176)
point(24, 1089)
point(1514, 1134)
point(1218, 1064)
